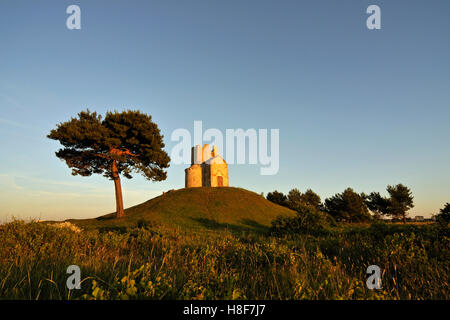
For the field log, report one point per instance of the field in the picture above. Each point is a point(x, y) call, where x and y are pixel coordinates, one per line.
point(143, 258)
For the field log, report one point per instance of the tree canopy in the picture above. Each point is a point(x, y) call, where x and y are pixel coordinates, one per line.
point(347, 206)
point(121, 144)
point(277, 197)
point(444, 214)
point(376, 203)
point(295, 198)
point(400, 201)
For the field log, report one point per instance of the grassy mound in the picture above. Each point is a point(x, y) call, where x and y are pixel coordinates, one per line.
point(229, 208)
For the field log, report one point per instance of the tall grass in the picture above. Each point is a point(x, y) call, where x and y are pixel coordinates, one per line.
point(142, 263)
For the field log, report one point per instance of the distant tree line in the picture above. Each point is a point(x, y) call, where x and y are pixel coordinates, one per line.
point(350, 206)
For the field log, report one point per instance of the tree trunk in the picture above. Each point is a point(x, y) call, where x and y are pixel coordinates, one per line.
point(403, 216)
point(118, 188)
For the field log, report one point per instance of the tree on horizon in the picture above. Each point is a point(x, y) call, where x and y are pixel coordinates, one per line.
point(396, 206)
point(377, 204)
point(347, 206)
point(121, 144)
point(296, 198)
point(277, 197)
point(400, 201)
point(444, 214)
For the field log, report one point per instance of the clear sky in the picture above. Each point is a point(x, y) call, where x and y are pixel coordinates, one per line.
point(355, 107)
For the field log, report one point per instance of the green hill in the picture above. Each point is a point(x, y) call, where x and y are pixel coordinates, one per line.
point(211, 208)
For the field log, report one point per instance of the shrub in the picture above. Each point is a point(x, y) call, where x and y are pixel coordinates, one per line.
point(308, 220)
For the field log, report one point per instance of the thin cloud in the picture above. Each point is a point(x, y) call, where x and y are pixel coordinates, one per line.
point(12, 101)
point(14, 123)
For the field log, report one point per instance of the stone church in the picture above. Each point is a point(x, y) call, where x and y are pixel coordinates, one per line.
point(208, 168)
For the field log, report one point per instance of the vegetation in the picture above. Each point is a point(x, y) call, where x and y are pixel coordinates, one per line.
point(350, 206)
point(120, 144)
point(277, 197)
point(163, 263)
point(444, 215)
point(227, 243)
point(377, 204)
point(347, 206)
point(396, 206)
point(309, 219)
point(196, 208)
point(400, 201)
point(297, 199)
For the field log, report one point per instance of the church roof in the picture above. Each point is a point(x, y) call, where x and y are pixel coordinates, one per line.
point(215, 160)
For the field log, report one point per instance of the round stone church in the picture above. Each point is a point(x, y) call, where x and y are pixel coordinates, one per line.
point(208, 168)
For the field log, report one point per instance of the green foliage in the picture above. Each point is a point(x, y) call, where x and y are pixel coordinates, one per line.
point(130, 138)
point(122, 143)
point(377, 204)
point(443, 217)
point(296, 198)
point(396, 206)
point(277, 197)
point(444, 214)
point(347, 206)
point(308, 220)
point(400, 201)
point(445, 209)
point(143, 263)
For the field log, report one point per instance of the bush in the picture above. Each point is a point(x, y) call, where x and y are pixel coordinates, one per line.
point(308, 220)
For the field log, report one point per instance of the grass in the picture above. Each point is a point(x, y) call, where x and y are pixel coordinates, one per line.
point(216, 243)
point(197, 209)
point(222, 263)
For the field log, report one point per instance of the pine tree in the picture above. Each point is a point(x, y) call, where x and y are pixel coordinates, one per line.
point(400, 201)
point(123, 143)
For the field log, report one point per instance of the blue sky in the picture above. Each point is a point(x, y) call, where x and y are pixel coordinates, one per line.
point(355, 107)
